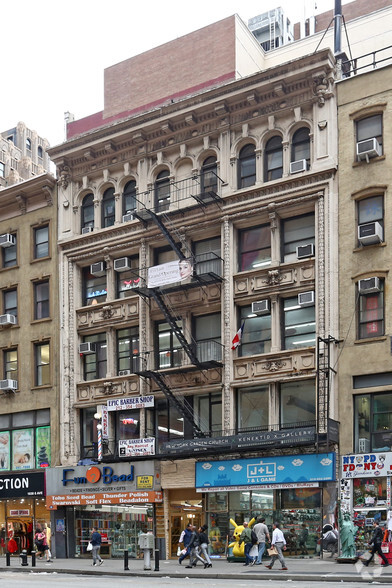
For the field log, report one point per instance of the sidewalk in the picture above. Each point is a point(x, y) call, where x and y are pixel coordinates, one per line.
point(298, 569)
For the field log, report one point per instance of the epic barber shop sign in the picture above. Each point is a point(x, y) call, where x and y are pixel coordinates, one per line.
point(102, 484)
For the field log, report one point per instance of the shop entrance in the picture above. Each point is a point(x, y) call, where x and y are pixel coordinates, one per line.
point(186, 506)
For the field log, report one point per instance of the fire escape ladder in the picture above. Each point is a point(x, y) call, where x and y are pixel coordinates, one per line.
point(173, 323)
point(183, 409)
point(324, 371)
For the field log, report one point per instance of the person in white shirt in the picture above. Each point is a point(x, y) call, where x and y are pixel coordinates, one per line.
point(279, 542)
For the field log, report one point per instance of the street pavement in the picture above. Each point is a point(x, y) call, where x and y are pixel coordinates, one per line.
point(308, 568)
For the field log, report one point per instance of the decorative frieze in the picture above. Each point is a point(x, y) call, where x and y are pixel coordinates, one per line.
point(264, 366)
point(300, 274)
point(117, 311)
point(97, 390)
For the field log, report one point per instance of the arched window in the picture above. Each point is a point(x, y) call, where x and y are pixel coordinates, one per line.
point(87, 216)
point(108, 208)
point(273, 159)
point(247, 166)
point(129, 197)
point(162, 191)
point(28, 144)
point(209, 180)
point(40, 152)
point(300, 146)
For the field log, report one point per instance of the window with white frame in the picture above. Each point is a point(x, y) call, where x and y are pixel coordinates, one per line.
point(254, 247)
point(371, 312)
point(296, 232)
point(299, 324)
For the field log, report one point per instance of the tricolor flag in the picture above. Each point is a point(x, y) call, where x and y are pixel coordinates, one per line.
point(237, 337)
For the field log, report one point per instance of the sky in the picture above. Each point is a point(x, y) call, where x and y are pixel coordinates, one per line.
point(54, 54)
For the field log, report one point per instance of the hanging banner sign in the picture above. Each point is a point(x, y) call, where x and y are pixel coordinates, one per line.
point(136, 447)
point(169, 273)
point(367, 465)
point(130, 403)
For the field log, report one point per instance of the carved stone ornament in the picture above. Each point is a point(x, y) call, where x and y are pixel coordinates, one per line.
point(320, 88)
point(64, 177)
point(107, 388)
point(274, 366)
point(107, 312)
point(274, 277)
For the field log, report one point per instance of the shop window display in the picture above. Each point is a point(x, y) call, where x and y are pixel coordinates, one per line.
point(18, 520)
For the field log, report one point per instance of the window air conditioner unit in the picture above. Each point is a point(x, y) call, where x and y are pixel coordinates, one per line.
point(368, 148)
point(363, 445)
point(8, 385)
point(124, 372)
point(86, 348)
point(261, 307)
point(298, 166)
point(305, 251)
point(7, 240)
point(370, 233)
point(369, 285)
point(7, 319)
point(122, 264)
point(86, 230)
point(98, 269)
point(127, 217)
point(306, 299)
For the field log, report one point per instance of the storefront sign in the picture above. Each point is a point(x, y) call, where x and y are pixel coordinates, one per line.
point(169, 273)
point(52, 502)
point(105, 421)
point(21, 512)
point(136, 447)
point(260, 487)
point(26, 484)
point(300, 436)
point(127, 403)
point(270, 470)
point(108, 478)
point(367, 465)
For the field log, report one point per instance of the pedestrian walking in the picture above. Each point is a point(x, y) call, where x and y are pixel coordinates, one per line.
point(194, 545)
point(279, 542)
point(204, 546)
point(262, 534)
point(376, 541)
point(185, 537)
point(246, 538)
point(96, 541)
point(303, 537)
point(41, 543)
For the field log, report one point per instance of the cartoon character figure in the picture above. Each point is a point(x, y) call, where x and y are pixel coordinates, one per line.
point(239, 550)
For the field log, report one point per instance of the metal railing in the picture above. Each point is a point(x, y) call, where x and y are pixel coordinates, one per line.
point(367, 62)
point(206, 351)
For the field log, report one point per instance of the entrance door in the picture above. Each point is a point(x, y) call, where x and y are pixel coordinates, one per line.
point(178, 522)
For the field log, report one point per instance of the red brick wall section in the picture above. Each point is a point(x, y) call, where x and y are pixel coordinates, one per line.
point(173, 69)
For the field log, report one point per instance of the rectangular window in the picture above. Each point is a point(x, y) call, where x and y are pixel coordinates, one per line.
point(94, 287)
point(373, 422)
point(208, 256)
point(208, 412)
point(127, 348)
point(371, 314)
point(369, 128)
point(252, 409)
point(24, 443)
point(170, 424)
point(128, 424)
point(297, 403)
point(95, 364)
point(10, 358)
point(41, 242)
point(2, 170)
point(299, 324)
point(88, 426)
point(208, 337)
point(256, 337)
point(8, 255)
point(10, 302)
point(169, 348)
point(42, 364)
point(255, 248)
point(41, 300)
point(296, 232)
point(371, 218)
point(128, 279)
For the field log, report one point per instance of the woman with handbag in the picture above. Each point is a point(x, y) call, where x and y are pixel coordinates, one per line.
point(42, 543)
point(277, 544)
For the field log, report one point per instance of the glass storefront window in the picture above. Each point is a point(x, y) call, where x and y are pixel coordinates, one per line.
point(369, 492)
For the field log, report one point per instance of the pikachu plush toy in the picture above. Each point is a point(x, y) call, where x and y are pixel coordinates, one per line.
point(239, 550)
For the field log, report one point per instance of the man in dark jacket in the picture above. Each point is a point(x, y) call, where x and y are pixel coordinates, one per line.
point(376, 541)
point(96, 541)
point(194, 545)
point(185, 538)
point(246, 538)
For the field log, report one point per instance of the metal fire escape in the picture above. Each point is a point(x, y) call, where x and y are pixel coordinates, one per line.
point(145, 215)
point(324, 371)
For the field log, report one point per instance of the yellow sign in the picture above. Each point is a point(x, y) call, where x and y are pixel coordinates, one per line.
point(144, 481)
